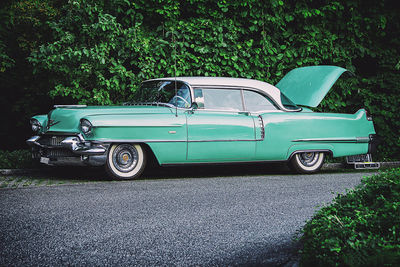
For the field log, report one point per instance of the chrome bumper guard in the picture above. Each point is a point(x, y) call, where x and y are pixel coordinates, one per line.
point(81, 147)
point(363, 161)
point(75, 144)
point(80, 151)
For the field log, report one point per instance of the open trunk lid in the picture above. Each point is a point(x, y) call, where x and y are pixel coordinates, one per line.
point(307, 86)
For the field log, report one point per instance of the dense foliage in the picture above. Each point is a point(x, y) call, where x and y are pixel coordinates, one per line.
point(97, 52)
point(361, 228)
point(17, 159)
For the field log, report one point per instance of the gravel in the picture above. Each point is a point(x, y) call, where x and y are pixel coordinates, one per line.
point(249, 220)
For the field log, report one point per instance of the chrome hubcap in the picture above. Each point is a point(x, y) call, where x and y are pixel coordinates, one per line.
point(308, 158)
point(125, 158)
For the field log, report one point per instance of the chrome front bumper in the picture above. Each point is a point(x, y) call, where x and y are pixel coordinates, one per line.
point(68, 150)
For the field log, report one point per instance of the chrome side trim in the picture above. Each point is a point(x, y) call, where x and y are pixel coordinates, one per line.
point(221, 162)
point(170, 141)
point(235, 140)
point(335, 140)
point(363, 139)
point(99, 146)
point(137, 141)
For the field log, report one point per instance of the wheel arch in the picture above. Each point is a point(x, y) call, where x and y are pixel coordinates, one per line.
point(147, 149)
point(299, 148)
point(151, 156)
point(326, 151)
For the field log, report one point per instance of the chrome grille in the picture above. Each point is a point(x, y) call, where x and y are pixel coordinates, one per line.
point(52, 140)
point(53, 147)
point(56, 140)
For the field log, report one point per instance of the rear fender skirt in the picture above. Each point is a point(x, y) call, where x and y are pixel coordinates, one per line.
point(327, 148)
point(327, 151)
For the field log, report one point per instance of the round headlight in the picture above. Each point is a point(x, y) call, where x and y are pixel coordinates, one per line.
point(36, 126)
point(86, 126)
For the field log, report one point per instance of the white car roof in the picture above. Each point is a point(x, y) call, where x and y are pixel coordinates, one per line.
point(267, 88)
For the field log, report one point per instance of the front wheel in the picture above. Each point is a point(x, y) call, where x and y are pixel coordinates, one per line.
point(307, 162)
point(125, 161)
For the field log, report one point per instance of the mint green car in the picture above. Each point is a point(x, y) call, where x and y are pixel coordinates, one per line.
point(200, 120)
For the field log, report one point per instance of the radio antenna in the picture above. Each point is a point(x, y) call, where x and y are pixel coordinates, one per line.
point(176, 89)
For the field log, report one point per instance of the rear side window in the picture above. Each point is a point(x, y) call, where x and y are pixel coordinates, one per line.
point(287, 103)
point(257, 102)
point(219, 99)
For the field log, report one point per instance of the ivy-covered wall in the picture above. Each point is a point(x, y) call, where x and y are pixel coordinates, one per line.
point(97, 52)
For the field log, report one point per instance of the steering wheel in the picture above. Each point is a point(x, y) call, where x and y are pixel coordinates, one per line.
point(177, 96)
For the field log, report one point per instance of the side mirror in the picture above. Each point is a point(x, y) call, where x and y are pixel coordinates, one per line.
point(194, 106)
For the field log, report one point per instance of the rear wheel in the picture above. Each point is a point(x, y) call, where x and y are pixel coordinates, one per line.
point(307, 162)
point(126, 161)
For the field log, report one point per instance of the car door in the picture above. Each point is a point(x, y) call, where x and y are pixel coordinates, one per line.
point(220, 130)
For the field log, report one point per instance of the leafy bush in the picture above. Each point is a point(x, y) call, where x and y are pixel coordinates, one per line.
point(361, 227)
point(98, 52)
point(16, 159)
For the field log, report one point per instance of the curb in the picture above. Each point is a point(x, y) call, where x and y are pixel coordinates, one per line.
point(21, 171)
point(333, 166)
point(326, 166)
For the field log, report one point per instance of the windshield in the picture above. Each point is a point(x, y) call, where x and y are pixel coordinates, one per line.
point(287, 103)
point(169, 93)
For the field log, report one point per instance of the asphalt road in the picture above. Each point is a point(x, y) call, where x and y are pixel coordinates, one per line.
point(187, 221)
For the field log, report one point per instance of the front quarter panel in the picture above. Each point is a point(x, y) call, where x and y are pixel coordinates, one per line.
point(165, 134)
point(152, 127)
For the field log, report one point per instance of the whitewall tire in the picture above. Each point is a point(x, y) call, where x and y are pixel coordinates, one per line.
point(307, 162)
point(126, 161)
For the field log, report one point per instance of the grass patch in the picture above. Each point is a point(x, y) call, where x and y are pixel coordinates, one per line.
point(361, 227)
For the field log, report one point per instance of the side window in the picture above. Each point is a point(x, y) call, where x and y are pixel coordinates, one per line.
point(256, 102)
point(221, 99)
point(198, 97)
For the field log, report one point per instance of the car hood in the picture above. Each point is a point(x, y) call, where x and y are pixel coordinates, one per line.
point(67, 119)
point(307, 86)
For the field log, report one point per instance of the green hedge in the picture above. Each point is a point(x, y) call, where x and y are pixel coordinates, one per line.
point(98, 52)
point(360, 228)
point(16, 159)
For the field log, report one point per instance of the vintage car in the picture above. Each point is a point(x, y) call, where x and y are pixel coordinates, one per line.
point(201, 120)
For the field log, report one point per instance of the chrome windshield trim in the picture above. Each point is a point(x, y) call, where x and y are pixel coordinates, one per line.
point(70, 106)
point(177, 80)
